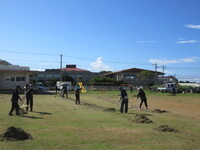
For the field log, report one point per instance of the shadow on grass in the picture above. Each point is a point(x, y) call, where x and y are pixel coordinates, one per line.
point(42, 113)
point(33, 117)
point(92, 105)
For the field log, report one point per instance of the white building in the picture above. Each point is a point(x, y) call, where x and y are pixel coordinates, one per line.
point(167, 79)
point(13, 75)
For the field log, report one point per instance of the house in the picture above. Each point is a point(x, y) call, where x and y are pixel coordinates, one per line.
point(133, 76)
point(13, 75)
point(167, 79)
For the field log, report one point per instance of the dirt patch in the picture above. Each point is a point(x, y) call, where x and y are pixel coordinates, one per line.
point(159, 111)
point(141, 119)
point(15, 134)
point(165, 128)
point(110, 109)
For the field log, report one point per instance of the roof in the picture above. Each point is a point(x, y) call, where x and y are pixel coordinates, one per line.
point(74, 69)
point(132, 70)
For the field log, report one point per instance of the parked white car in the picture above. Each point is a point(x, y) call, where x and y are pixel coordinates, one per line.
point(61, 84)
point(39, 86)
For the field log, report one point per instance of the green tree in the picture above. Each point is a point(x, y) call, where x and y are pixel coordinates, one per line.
point(145, 78)
point(105, 81)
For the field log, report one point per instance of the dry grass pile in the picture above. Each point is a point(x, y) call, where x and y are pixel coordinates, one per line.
point(15, 134)
point(165, 128)
point(22, 112)
point(141, 119)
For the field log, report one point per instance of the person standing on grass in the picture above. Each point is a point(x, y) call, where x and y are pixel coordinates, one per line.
point(65, 91)
point(173, 91)
point(14, 100)
point(56, 89)
point(124, 100)
point(143, 98)
point(131, 89)
point(77, 95)
point(29, 96)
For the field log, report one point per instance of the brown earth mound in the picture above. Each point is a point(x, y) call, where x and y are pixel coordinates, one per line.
point(141, 119)
point(165, 128)
point(159, 111)
point(110, 109)
point(15, 134)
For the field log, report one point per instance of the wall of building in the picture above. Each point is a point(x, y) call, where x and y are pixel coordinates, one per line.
point(10, 79)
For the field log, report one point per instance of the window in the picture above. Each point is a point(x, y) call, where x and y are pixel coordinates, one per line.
point(17, 78)
point(22, 79)
point(7, 78)
point(129, 77)
point(12, 78)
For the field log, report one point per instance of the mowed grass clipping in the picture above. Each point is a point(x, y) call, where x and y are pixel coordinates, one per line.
point(58, 123)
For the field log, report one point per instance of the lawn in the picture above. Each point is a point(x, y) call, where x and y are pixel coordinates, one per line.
point(58, 123)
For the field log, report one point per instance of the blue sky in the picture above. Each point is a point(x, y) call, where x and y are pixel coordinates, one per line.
point(103, 35)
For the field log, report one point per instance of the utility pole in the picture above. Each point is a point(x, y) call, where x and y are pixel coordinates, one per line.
point(61, 67)
point(163, 69)
point(156, 66)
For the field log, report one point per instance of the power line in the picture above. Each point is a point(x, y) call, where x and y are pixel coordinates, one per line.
point(8, 51)
point(38, 61)
point(183, 68)
point(83, 58)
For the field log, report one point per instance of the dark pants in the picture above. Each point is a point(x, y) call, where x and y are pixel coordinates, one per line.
point(29, 101)
point(77, 99)
point(124, 106)
point(65, 93)
point(143, 100)
point(14, 106)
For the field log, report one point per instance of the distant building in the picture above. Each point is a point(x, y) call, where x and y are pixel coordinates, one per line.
point(70, 70)
point(131, 76)
point(167, 79)
point(77, 74)
point(46, 76)
point(13, 75)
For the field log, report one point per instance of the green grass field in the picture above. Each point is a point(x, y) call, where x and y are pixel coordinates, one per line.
point(58, 123)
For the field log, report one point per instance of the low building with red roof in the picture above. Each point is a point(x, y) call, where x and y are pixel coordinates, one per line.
point(70, 70)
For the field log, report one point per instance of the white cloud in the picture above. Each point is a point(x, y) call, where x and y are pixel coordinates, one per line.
point(163, 61)
point(146, 41)
point(192, 26)
point(185, 42)
point(184, 60)
point(99, 65)
point(188, 60)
